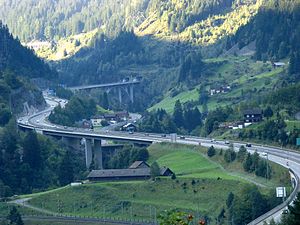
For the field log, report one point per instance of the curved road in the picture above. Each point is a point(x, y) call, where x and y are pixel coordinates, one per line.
point(284, 157)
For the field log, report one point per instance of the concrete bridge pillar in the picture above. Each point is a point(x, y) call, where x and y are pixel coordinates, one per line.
point(98, 154)
point(120, 94)
point(131, 92)
point(88, 152)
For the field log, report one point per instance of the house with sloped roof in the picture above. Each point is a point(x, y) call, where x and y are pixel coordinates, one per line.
point(119, 174)
point(253, 115)
point(165, 171)
point(138, 165)
point(139, 170)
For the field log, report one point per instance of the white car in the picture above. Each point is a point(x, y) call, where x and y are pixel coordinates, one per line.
point(264, 154)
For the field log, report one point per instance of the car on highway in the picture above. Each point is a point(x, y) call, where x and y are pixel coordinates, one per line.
point(248, 145)
point(227, 142)
point(213, 140)
point(163, 135)
point(182, 137)
point(264, 154)
point(130, 132)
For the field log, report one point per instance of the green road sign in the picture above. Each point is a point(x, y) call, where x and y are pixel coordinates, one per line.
point(298, 141)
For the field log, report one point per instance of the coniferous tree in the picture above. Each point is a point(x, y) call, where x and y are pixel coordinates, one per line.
point(178, 114)
point(66, 169)
point(105, 103)
point(211, 151)
point(241, 153)
point(32, 151)
point(268, 112)
point(154, 170)
point(248, 163)
point(14, 217)
point(230, 155)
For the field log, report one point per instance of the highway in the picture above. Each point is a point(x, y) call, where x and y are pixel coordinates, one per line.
point(108, 85)
point(38, 121)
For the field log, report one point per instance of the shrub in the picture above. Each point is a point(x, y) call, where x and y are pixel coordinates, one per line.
point(211, 151)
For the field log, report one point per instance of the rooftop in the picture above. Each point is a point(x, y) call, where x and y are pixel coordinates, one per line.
point(255, 111)
point(136, 164)
point(111, 173)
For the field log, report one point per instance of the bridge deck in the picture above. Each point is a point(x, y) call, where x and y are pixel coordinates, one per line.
point(85, 87)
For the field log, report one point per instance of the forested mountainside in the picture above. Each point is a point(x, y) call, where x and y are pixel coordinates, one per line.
point(17, 66)
point(47, 19)
point(159, 40)
point(20, 60)
point(167, 65)
point(27, 161)
point(201, 22)
point(158, 63)
point(275, 30)
point(198, 21)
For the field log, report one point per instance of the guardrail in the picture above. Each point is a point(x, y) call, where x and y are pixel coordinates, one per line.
point(281, 206)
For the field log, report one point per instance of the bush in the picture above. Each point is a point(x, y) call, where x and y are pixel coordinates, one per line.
point(173, 177)
point(211, 151)
point(241, 153)
point(229, 156)
point(154, 170)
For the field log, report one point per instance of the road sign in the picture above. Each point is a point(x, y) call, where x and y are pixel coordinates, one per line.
point(298, 141)
point(280, 192)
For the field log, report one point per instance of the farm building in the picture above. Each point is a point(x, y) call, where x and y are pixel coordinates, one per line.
point(139, 170)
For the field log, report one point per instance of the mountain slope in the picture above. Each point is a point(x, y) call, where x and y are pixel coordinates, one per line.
point(275, 30)
point(49, 19)
point(195, 21)
point(22, 61)
point(198, 21)
point(17, 66)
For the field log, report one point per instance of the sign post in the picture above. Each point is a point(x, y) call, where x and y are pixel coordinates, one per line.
point(281, 192)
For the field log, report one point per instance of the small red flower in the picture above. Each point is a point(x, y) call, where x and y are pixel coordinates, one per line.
point(201, 222)
point(190, 217)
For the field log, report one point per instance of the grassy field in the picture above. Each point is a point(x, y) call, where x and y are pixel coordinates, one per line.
point(280, 175)
point(169, 102)
point(292, 124)
point(186, 161)
point(201, 187)
point(243, 74)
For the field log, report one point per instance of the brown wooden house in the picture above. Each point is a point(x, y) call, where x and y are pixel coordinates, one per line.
point(139, 170)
